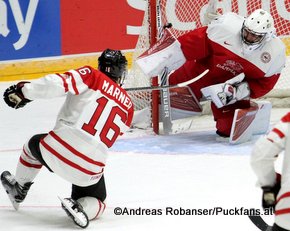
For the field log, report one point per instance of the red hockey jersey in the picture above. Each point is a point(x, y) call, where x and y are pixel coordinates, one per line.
point(218, 48)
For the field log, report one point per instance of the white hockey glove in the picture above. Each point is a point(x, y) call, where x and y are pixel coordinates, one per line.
point(231, 91)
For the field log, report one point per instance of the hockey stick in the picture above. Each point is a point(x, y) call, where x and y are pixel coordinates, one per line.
point(183, 84)
point(165, 103)
point(259, 222)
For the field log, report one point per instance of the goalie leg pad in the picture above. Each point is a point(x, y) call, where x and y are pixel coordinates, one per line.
point(224, 116)
point(262, 119)
point(250, 121)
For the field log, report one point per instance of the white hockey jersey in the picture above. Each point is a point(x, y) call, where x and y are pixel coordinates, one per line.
point(96, 111)
point(263, 158)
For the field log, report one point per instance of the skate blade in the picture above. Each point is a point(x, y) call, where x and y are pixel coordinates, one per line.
point(13, 202)
point(80, 222)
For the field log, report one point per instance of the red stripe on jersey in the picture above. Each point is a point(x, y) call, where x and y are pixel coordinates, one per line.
point(25, 163)
point(74, 151)
point(278, 132)
point(287, 194)
point(65, 85)
point(74, 85)
point(282, 211)
point(66, 161)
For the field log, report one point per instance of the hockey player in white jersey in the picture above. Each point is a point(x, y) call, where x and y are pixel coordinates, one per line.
point(275, 187)
point(96, 111)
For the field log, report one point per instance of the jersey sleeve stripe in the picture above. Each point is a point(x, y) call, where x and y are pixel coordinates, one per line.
point(65, 85)
point(74, 151)
point(74, 85)
point(287, 194)
point(278, 132)
point(282, 211)
point(77, 83)
point(66, 161)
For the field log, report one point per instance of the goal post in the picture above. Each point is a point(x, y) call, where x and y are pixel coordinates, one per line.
point(185, 15)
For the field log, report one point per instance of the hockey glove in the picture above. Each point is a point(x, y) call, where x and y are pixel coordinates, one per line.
point(231, 91)
point(270, 194)
point(14, 97)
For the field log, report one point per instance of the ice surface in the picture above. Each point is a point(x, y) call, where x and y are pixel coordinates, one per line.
point(190, 170)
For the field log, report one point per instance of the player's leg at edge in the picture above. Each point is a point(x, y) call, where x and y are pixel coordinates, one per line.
point(28, 167)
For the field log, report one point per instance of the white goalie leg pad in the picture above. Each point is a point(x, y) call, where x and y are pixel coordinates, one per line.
point(262, 119)
point(250, 121)
point(92, 206)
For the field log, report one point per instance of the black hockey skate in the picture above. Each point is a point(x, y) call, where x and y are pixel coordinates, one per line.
point(75, 211)
point(15, 191)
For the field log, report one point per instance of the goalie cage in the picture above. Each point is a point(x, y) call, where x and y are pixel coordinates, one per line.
point(186, 15)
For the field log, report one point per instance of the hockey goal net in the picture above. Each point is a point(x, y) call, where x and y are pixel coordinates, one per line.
point(185, 15)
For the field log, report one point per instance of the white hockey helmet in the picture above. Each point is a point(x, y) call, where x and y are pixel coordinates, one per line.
point(257, 29)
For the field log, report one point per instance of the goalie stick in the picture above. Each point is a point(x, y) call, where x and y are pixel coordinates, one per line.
point(165, 106)
point(183, 84)
point(259, 222)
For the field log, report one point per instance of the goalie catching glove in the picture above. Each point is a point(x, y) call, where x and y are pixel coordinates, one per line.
point(14, 97)
point(231, 91)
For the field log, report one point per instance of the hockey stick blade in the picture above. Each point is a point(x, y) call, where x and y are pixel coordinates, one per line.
point(259, 222)
point(183, 84)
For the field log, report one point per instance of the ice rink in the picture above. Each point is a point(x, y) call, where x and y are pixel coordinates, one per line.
point(190, 170)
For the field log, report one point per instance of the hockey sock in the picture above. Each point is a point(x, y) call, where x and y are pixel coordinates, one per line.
point(93, 207)
point(27, 167)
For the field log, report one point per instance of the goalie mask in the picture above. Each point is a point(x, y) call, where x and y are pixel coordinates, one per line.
point(257, 29)
point(114, 65)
